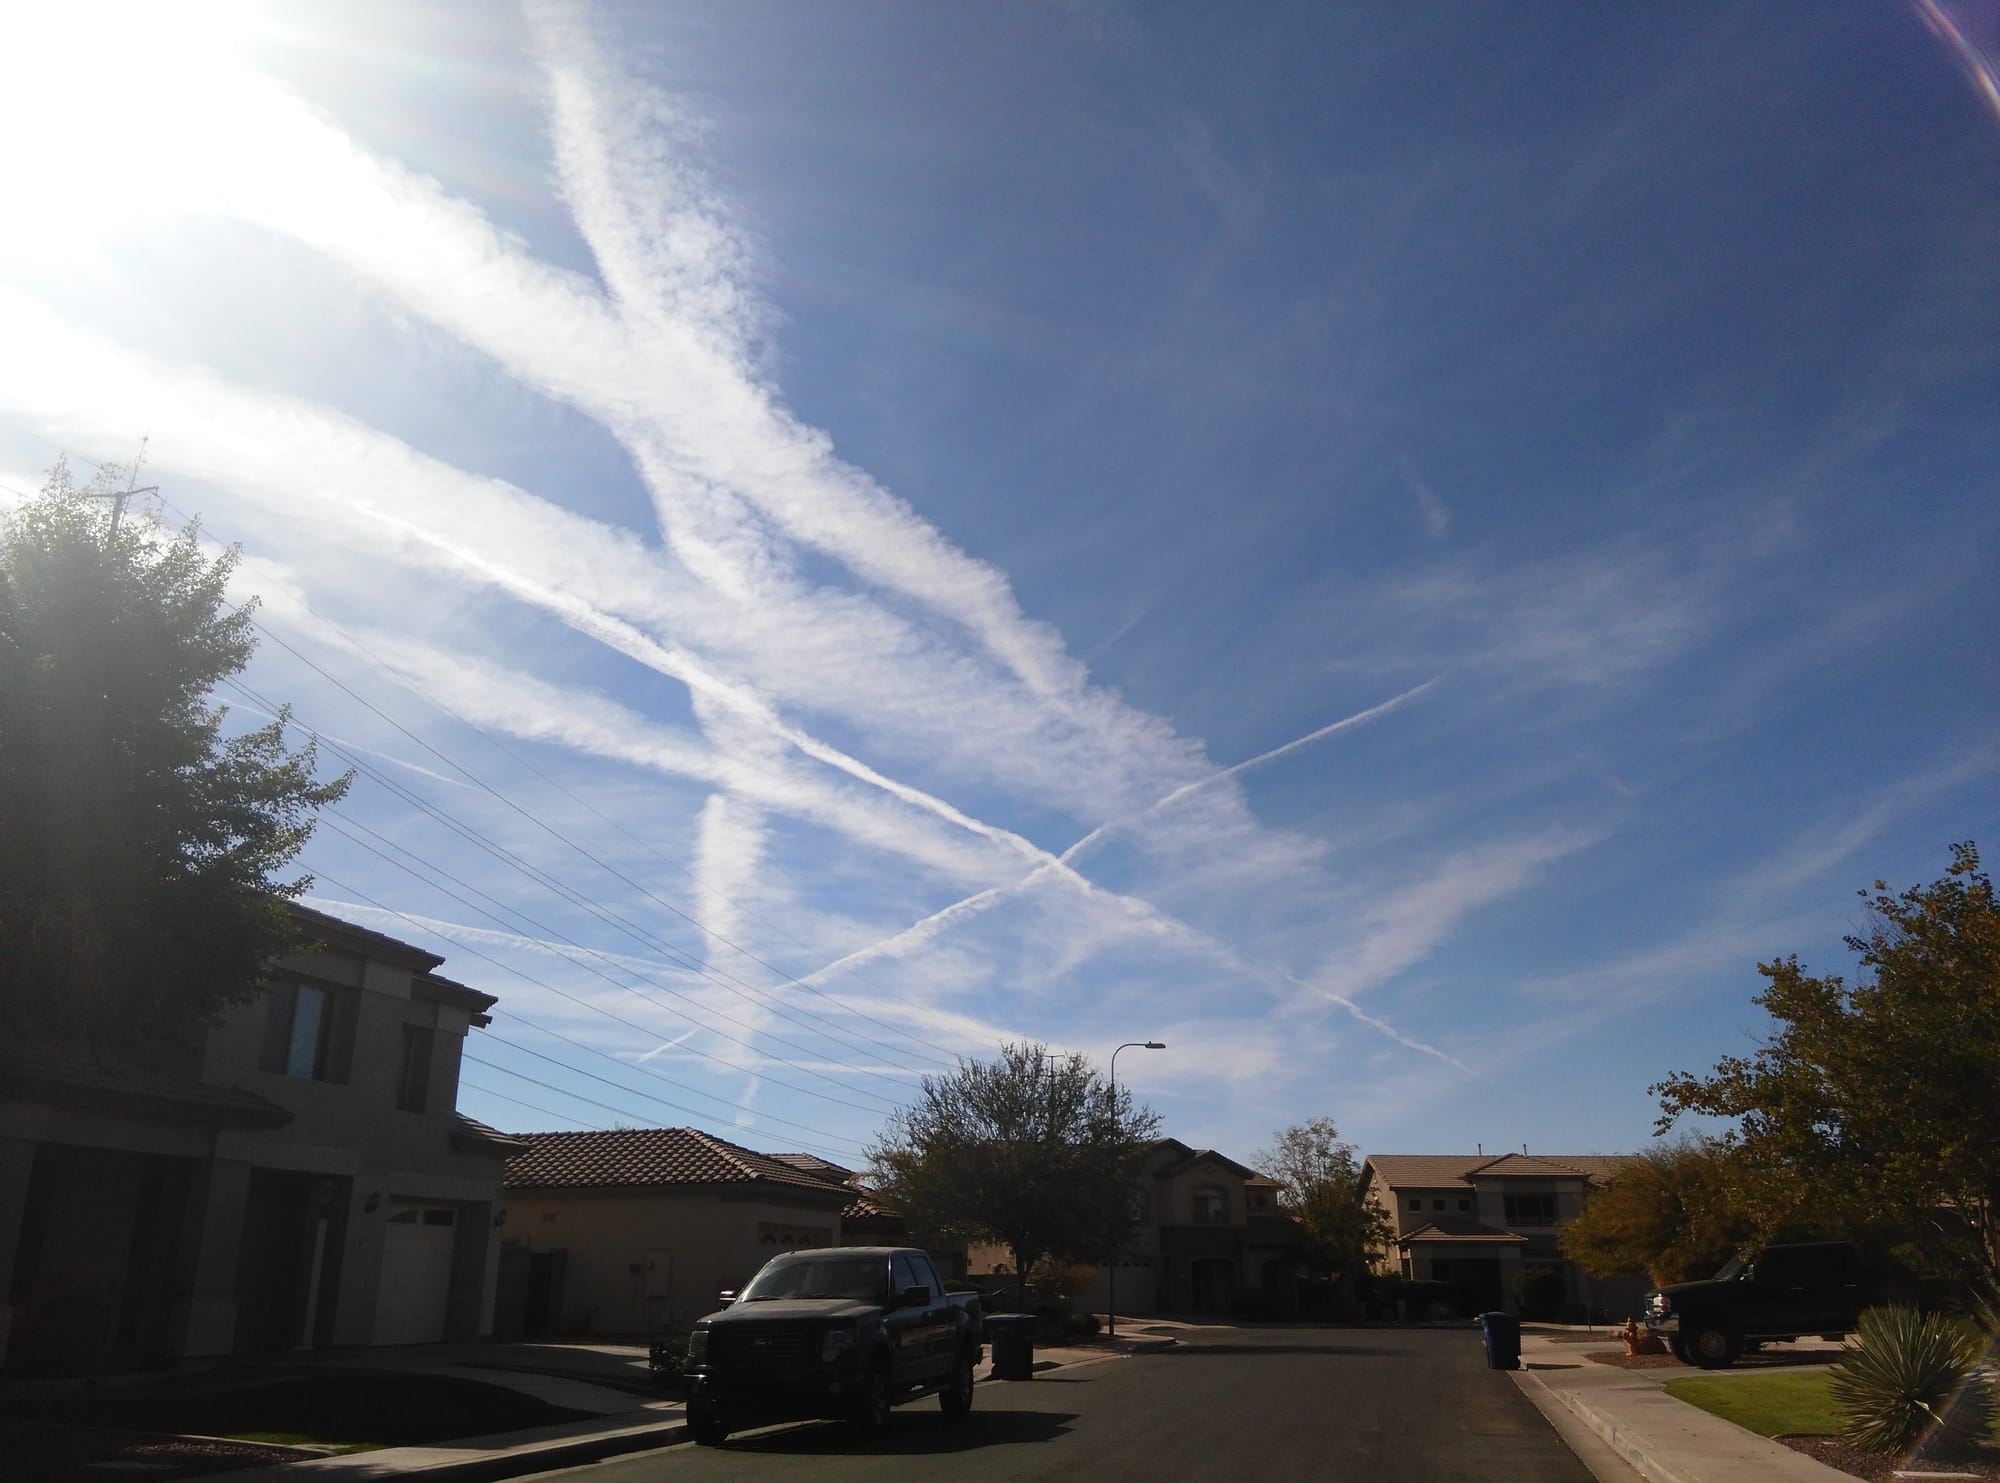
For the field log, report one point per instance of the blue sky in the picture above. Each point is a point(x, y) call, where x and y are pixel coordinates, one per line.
point(1400, 553)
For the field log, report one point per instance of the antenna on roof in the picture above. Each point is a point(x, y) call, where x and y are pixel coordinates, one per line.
point(1482, 1149)
point(1524, 1148)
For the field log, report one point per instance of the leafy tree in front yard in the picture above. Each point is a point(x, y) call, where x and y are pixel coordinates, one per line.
point(1030, 1150)
point(141, 838)
point(1676, 1212)
point(1881, 1101)
point(1346, 1231)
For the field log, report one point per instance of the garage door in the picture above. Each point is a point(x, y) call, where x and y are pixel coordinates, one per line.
point(417, 1244)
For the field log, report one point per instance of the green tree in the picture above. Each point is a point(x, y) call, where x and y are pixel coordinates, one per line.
point(1346, 1230)
point(1028, 1150)
point(141, 836)
point(1881, 1102)
point(1676, 1212)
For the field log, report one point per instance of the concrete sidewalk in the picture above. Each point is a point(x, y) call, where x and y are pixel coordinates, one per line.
point(1664, 1440)
point(579, 1377)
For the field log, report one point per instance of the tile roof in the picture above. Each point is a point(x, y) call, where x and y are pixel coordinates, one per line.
point(468, 1132)
point(626, 1157)
point(867, 1205)
point(1459, 1228)
point(813, 1164)
point(1456, 1170)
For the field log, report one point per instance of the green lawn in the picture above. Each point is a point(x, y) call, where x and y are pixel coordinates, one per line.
point(1769, 1405)
point(348, 1411)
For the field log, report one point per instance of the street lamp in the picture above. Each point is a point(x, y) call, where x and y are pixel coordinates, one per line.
point(1111, 1272)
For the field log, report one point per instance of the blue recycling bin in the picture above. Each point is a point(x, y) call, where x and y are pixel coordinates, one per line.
point(1013, 1336)
point(1503, 1340)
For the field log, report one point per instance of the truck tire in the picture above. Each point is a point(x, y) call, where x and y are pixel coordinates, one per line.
point(1712, 1346)
point(706, 1427)
point(956, 1397)
point(870, 1417)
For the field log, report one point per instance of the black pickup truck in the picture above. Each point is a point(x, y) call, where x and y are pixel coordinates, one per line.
point(840, 1333)
point(1817, 1287)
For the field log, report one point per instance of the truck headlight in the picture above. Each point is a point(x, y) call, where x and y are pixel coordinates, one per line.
point(834, 1343)
point(698, 1347)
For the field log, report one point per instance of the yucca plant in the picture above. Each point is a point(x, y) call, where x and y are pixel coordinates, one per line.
point(1913, 1381)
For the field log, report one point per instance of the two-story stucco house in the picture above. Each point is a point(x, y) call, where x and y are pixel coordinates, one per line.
point(1487, 1225)
point(295, 1177)
point(1208, 1239)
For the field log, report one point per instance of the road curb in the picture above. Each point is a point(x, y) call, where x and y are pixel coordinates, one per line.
point(1633, 1452)
point(533, 1457)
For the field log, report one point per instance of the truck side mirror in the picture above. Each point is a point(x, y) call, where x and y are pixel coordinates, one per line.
point(724, 1298)
point(914, 1297)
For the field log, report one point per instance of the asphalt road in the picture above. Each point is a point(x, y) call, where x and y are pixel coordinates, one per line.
point(1291, 1403)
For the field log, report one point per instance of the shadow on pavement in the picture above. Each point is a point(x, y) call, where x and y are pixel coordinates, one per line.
point(916, 1434)
point(1200, 1348)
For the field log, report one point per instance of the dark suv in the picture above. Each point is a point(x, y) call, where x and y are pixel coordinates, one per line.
point(1815, 1287)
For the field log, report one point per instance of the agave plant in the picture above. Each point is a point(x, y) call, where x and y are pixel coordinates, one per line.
point(1914, 1380)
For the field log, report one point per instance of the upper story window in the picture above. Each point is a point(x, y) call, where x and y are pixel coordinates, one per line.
point(1211, 1205)
point(1531, 1210)
point(413, 1078)
point(1464, 1206)
point(1416, 1202)
point(1437, 1204)
point(307, 1028)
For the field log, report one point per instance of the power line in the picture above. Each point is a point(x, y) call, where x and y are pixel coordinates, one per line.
point(532, 1107)
point(587, 854)
point(548, 882)
point(550, 829)
point(645, 1030)
point(551, 883)
point(338, 828)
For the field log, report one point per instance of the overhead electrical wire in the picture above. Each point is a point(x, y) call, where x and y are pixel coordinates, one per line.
point(711, 970)
point(617, 1018)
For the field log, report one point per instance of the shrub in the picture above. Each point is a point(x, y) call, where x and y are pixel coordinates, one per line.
point(1914, 1380)
point(1080, 1325)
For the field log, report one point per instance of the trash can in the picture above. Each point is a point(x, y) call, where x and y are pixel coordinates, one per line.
point(1013, 1336)
point(1503, 1340)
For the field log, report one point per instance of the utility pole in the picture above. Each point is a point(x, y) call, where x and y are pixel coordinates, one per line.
point(120, 497)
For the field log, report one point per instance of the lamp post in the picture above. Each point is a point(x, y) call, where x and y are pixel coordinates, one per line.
point(1111, 1271)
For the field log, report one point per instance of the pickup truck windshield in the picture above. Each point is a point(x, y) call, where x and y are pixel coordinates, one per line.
point(862, 1278)
point(1730, 1270)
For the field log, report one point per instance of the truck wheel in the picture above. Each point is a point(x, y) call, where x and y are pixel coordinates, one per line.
point(1713, 1347)
point(871, 1407)
point(705, 1424)
point(956, 1397)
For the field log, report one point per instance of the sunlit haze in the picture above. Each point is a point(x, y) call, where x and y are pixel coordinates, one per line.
point(1395, 551)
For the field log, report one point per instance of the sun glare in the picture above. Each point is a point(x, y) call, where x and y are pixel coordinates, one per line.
point(105, 104)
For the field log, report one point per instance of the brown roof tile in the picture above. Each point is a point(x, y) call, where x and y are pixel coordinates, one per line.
point(644, 1156)
point(1456, 1170)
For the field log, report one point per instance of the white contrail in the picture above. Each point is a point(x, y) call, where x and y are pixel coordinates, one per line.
point(914, 936)
point(1357, 719)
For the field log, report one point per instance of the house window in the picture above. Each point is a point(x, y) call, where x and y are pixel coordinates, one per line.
point(1531, 1210)
point(303, 1025)
point(1437, 1204)
point(1211, 1205)
point(1416, 1202)
point(413, 1081)
point(1464, 1207)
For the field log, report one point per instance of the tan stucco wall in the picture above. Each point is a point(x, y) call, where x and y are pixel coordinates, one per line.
point(616, 1241)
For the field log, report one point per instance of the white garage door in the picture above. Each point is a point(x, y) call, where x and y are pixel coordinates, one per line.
point(417, 1244)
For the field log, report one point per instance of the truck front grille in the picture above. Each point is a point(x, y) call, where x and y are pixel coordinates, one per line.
point(775, 1351)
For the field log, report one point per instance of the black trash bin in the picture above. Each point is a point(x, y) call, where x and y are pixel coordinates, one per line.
point(1503, 1340)
point(1013, 1338)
